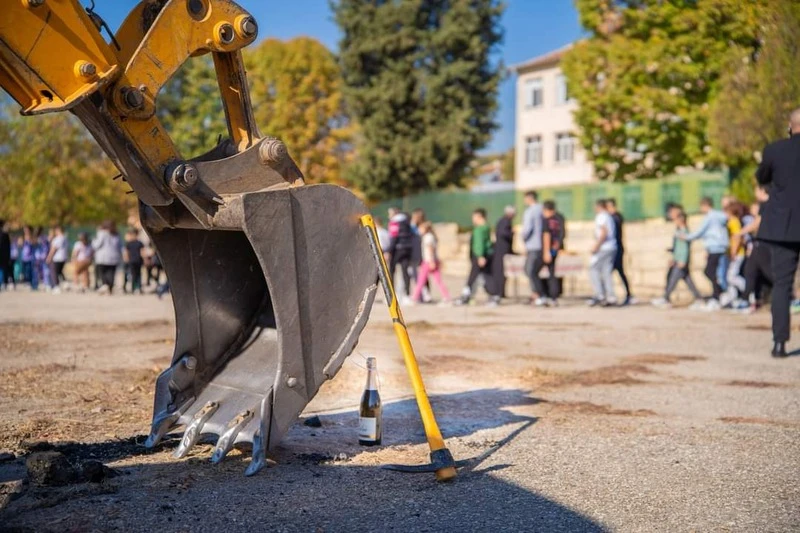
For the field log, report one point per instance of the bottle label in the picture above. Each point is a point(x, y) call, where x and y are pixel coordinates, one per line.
point(367, 428)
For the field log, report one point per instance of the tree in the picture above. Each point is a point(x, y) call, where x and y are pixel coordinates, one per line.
point(296, 89)
point(52, 172)
point(421, 82)
point(190, 107)
point(645, 76)
point(757, 93)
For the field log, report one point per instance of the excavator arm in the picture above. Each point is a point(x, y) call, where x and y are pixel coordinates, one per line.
point(272, 280)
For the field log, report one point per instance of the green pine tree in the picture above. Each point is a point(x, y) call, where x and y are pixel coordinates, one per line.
point(421, 82)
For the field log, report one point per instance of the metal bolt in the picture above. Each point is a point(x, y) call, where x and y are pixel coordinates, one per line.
point(88, 70)
point(291, 382)
point(35, 3)
point(226, 34)
point(132, 97)
point(272, 151)
point(190, 362)
point(183, 177)
point(248, 26)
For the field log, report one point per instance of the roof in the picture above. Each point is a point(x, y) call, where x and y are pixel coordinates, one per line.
point(545, 60)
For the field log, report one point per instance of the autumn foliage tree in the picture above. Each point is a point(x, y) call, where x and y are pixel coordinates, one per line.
point(295, 88)
point(52, 172)
point(297, 96)
point(757, 92)
point(645, 76)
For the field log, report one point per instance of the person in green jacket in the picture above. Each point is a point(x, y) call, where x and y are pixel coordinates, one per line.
point(679, 265)
point(481, 251)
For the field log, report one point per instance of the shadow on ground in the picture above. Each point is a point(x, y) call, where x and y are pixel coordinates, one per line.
point(313, 491)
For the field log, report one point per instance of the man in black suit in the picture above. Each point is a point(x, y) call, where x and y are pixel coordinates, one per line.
point(779, 171)
point(503, 245)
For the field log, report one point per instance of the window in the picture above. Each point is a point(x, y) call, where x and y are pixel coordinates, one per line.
point(565, 148)
point(534, 93)
point(562, 91)
point(533, 151)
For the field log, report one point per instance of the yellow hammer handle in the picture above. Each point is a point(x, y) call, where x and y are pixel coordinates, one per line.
point(432, 432)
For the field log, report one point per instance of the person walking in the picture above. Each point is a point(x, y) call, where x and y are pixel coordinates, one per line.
point(57, 257)
point(532, 225)
point(714, 232)
point(82, 255)
point(430, 266)
point(27, 250)
point(552, 235)
point(5, 254)
point(679, 265)
point(107, 254)
point(401, 247)
point(734, 279)
point(480, 254)
point(132, 255)
point(619, 259)
point(503, 246)
point(601, 265)
point(417, 219)
point(758, 267)
point(779, 170)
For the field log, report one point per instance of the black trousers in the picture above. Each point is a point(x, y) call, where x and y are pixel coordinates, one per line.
point(758, 270)
point(476, 270)
point(784, 257)
point(711, 273)
point(402, 257)
point(619, 266)
point(135, 273)
point(552, 281)
point(106, 275)
point(499, 274)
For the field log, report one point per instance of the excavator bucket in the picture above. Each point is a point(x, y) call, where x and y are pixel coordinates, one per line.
point(264, 315)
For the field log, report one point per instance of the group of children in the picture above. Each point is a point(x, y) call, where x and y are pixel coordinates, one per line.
point(736, 264)
point(38, 258)
point(410, 243)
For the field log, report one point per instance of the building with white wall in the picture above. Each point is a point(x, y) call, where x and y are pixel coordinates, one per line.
point(548, 153)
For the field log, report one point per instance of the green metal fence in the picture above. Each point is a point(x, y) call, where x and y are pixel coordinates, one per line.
point(637, 200)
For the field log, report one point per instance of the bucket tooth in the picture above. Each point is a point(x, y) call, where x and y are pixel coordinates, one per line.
point(225, 442)
point(261, 439)
point(160, 427)
point(195, 428)
point(259, 459)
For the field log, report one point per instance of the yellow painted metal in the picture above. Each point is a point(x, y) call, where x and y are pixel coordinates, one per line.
point(131, 32)
point(236, 98)
point(42, 49)
point(179, 36)
point(432, 432)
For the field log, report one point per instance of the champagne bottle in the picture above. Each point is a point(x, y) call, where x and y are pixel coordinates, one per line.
point(369, 413)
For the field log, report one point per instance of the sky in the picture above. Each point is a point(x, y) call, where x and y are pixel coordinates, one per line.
point(532, 28)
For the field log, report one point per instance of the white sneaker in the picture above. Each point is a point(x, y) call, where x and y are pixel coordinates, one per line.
point(712, 305)
point(660, 302)
point(539, 302)
point(698, 305)
point(725, 299)
point(406, 301)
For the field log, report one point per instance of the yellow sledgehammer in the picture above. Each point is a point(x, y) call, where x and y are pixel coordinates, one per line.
point(442, 462)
